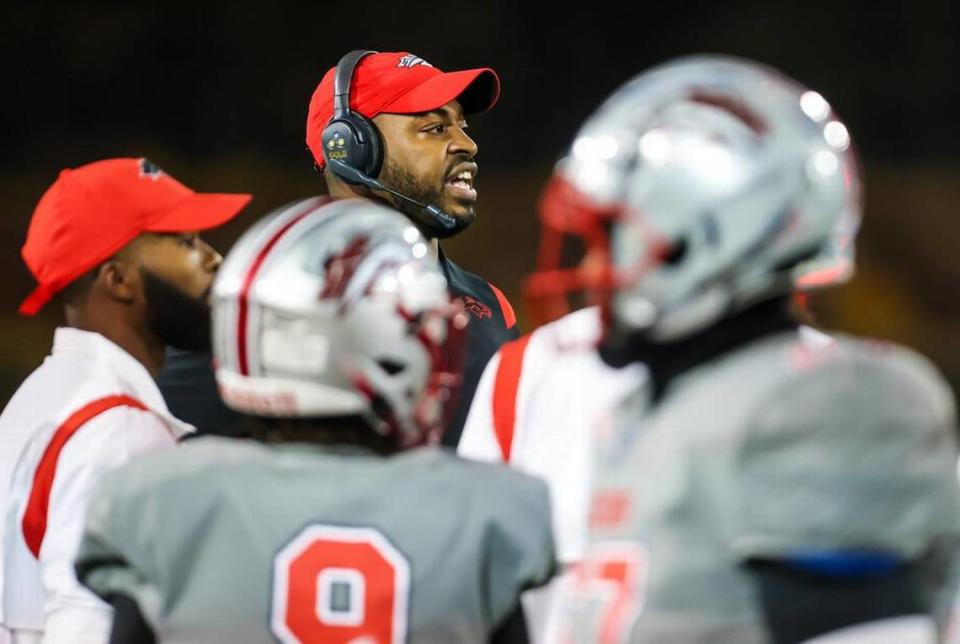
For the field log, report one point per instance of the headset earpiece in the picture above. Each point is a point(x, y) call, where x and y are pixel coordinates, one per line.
point(349, 137)
point(355, 141)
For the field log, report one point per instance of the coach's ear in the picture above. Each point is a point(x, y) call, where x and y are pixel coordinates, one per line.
point(120, 275)
point(120, 279)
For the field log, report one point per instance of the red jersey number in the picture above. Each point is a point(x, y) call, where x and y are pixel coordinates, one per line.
point(338, 584)
point(610, 582)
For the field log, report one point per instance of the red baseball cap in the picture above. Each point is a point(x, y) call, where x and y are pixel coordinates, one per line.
point(400, 83)
point(91, 212)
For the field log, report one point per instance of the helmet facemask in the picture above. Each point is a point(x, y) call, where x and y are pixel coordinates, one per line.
point(412, 380)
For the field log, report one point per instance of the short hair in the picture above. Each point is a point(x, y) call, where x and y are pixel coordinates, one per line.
point(342, 430)
point(76, 292)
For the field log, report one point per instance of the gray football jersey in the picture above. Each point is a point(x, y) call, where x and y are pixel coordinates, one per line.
point(235, 541)
point(795, 447)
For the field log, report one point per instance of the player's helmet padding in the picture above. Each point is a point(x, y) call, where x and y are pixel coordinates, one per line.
point(335, 309)
point(700, 187)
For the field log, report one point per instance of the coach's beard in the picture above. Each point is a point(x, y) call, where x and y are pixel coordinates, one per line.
point(396, 177)
point(178, 320)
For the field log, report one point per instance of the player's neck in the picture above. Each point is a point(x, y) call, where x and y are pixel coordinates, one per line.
point(331, 432)
point(668, 360)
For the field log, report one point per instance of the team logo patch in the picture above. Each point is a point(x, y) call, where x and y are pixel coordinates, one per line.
point(149, 169)
point(412, 61)
point(476, 307)
point(341, 268)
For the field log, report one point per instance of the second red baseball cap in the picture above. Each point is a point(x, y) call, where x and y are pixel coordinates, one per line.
point(91, 212)
point(400, 83)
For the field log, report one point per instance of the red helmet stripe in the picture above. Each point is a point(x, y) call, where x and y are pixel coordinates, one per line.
point(242, 303)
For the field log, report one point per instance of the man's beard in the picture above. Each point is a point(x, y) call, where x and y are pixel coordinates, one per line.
point(178, 320)
point(396, 177)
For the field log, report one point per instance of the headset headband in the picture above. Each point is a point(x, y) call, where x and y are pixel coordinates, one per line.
point(342, 79)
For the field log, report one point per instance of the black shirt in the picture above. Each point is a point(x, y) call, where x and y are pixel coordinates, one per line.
point(492, 322)
point(190, 390)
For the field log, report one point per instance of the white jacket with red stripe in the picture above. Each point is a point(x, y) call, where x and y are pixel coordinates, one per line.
point(88, 408)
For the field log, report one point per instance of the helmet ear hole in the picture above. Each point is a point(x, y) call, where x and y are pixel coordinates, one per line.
point(676, 253)
point(392, 367)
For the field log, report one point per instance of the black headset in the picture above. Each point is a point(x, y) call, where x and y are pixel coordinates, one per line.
point(352, 146)
point(349, 137)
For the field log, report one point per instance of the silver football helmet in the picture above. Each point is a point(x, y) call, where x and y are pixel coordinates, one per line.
point(338, 308)
point(699, 187)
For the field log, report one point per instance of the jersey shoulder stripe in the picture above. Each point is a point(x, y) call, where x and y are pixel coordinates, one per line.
point(505, 387)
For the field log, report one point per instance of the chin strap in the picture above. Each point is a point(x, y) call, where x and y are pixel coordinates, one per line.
point(668, 359)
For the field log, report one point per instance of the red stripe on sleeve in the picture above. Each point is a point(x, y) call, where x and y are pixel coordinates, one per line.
point(505, 386)
point(509, 317)
point(35, 514)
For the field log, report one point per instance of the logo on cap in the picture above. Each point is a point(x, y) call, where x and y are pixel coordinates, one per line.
point(149, 169)
point(412, 61)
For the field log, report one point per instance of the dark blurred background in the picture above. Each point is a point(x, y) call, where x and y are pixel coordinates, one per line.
point(216, 94)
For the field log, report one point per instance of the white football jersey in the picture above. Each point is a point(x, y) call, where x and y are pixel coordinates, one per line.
point(534, 406)
point(534, 409)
